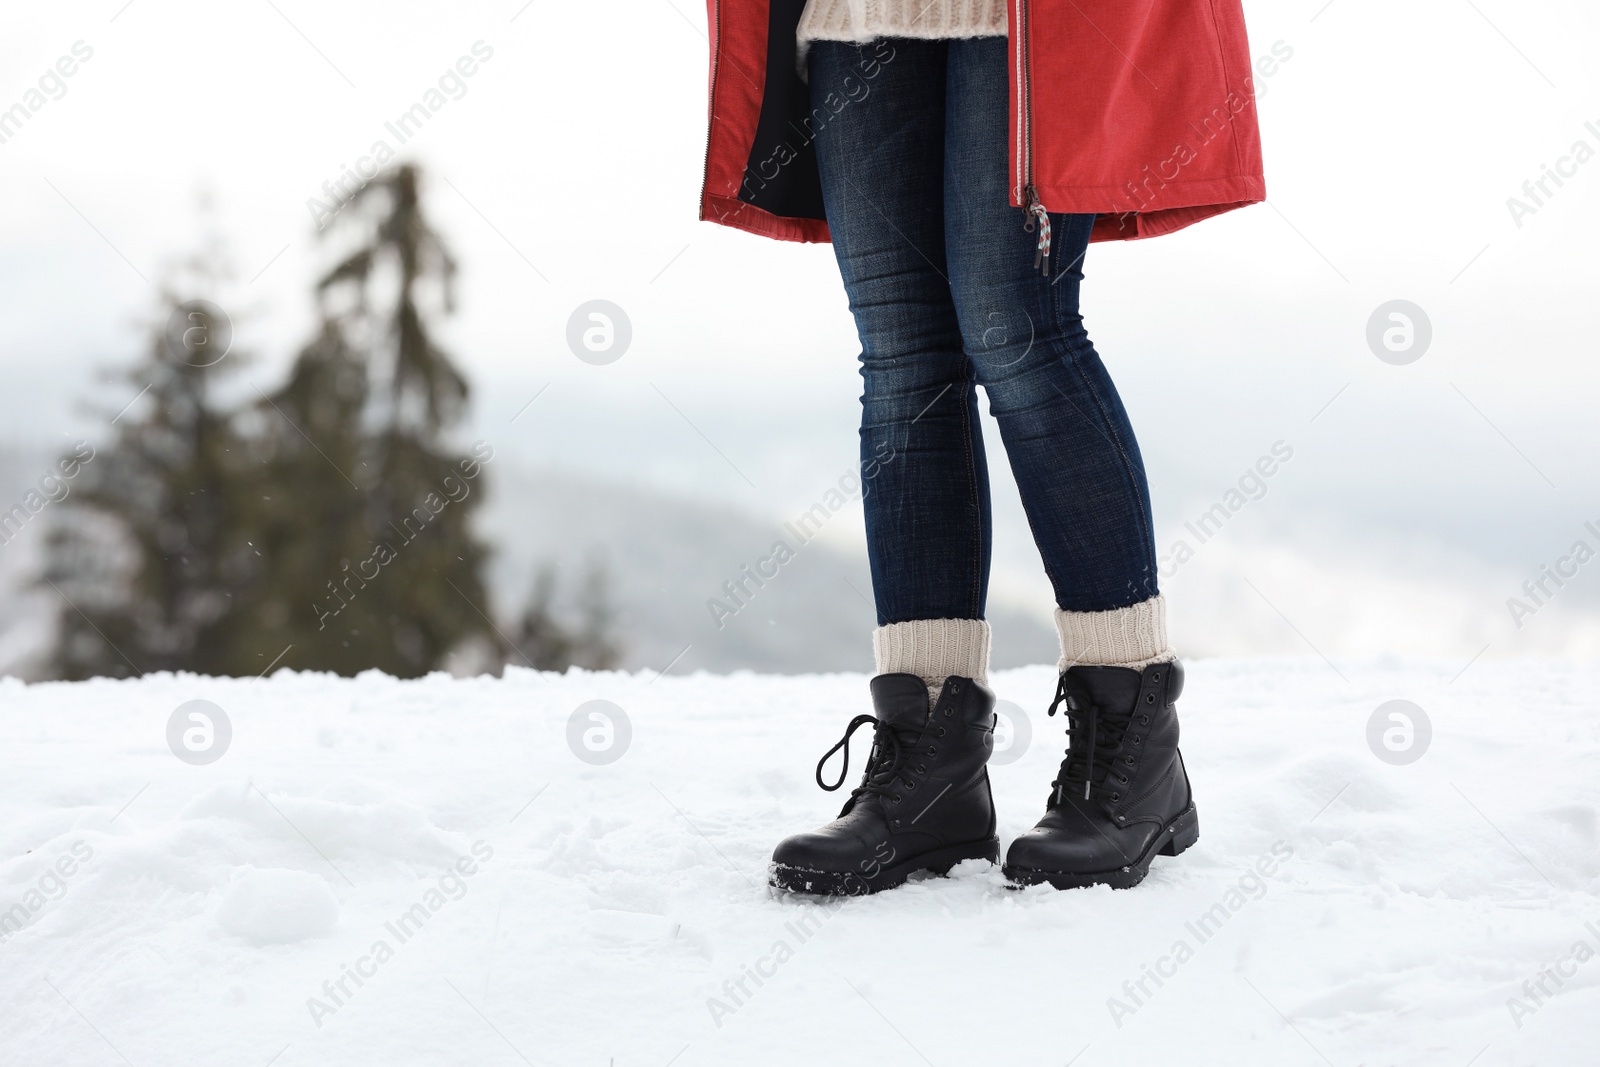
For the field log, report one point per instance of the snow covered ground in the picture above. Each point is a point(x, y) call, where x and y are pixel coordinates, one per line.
point(378, 872)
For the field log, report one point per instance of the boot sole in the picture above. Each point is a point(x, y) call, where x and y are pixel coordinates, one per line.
point(1176, 836)
point(849, 883)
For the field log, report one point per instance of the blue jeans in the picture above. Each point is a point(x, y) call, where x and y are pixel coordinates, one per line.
point(912, 148)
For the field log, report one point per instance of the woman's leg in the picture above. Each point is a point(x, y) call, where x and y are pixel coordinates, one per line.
point(1122, 795)
point(1067, 436)
point(924, 801)
point(879, 111)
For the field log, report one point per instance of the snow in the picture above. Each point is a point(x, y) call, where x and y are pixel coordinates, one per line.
point(502, 901)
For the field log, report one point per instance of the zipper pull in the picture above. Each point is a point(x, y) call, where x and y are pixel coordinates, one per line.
point(1040, 218)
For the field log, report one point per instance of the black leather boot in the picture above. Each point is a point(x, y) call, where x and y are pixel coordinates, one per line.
point(923, 803)
point(1122, 796)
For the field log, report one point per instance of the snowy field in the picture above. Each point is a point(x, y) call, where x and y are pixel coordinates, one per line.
point(378, 872)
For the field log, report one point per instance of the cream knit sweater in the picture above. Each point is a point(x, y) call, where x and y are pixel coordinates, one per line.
point(864, 20)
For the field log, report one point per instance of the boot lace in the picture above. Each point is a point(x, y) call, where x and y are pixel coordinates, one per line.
point(893, 746)
point(1094, 734)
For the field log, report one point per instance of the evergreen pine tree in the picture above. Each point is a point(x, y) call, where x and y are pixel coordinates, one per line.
point(150, 548)
point(372, 559)
point(323, 526)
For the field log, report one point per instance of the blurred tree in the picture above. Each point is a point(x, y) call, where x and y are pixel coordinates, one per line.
point(371, 558)
point(547, 644)
point(310, 517)
point(156, 541)
point(597, 646)
point(323, 526)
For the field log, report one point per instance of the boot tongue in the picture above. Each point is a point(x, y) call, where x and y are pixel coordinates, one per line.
point(1115, 689)
point(900, 700)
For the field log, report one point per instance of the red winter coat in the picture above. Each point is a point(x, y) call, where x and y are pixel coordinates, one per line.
point(1140, 111)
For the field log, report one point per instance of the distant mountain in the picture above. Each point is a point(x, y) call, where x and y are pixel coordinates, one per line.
point(668, 556)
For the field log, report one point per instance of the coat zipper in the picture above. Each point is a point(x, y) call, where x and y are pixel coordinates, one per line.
point(1036, 219)
point(711, 105)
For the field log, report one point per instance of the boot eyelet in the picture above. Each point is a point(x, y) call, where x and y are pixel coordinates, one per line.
point(1127, 759)
point(1138, 740)
point(932, 751)
point(949, 712)
point(1114, 798)
point(1144, 720)
point(922, 768)
point(897, 798)
point(1121, 779)
point(1150, 698)
point(941, 731)
point(910, 786)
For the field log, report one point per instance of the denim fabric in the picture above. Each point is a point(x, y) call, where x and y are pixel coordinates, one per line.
point(912, 147)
